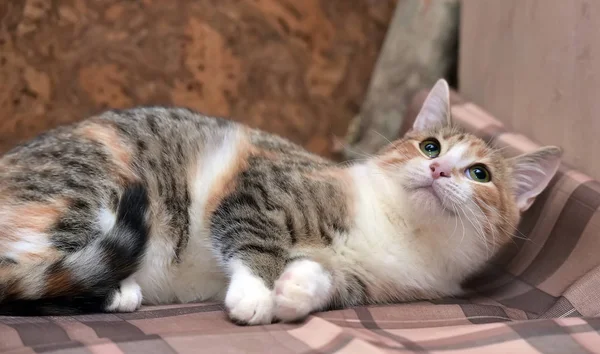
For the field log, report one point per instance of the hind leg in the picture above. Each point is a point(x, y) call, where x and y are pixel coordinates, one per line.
point(127, 298)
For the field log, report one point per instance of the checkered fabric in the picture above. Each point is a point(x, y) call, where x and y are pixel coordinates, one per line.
point(540, 295)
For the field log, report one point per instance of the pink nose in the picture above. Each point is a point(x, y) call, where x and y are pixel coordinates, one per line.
point(439, 170)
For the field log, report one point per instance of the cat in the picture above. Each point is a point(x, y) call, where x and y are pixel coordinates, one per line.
point(163, 205)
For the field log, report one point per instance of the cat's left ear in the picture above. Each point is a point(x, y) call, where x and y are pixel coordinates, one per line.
point(435, 112)
point(532, 172)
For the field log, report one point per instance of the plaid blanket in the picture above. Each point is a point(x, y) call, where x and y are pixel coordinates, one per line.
point(540, 295)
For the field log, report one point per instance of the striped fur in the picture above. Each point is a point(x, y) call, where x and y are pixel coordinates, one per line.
point(163, 205)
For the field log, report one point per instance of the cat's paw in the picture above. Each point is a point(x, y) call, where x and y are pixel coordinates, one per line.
point(305, 286)
point(248, 300)
point(127, 299)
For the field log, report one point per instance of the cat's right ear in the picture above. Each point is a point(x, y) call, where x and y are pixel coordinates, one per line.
point(435, 112)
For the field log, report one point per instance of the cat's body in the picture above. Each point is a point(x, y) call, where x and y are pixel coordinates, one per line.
point(171, 206)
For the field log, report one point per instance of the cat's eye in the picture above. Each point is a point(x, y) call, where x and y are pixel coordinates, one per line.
point(430, 147)
point(479, 173)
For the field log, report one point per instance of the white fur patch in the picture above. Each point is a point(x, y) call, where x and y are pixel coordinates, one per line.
point(106, 219)
point(458, 156)
point(128, 298)
point(248, 300)
point(30, 243)
point(199, 276)
point(384, 248)
point(303, 287)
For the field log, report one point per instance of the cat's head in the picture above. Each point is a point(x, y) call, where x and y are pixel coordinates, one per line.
point(446, 172)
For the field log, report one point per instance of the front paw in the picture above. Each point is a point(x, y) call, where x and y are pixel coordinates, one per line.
point(303, 288)
point(128, 298)
point(248, 300)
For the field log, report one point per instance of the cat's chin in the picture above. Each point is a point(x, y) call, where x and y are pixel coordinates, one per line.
point(428, 199)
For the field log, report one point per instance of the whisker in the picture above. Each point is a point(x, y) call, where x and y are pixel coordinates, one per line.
point(478, 228)
point(515, 228)
point(381, 135)
point(455, 221)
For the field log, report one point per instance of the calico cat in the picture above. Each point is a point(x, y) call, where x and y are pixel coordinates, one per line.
point(163, 205)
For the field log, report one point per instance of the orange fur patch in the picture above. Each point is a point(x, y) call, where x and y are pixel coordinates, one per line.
point(118, 149)
point(398, 153)
point(59, 283)
point(486, 199)
point(227, 182)
point(37, 216)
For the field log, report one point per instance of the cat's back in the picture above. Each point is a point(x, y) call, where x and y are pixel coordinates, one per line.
point(118, 132)
point(173, 130)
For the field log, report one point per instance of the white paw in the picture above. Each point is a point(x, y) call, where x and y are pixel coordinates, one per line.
point(248, 300)
point(302, 288)
point(127, 299)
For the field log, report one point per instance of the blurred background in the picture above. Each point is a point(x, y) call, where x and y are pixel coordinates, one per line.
point(296, 68)
point(327, 74)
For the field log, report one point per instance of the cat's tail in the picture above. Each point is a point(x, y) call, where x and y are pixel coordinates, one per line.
point(86, 280)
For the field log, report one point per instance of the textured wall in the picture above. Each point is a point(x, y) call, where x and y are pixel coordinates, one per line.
point(297, 68)
point(535, 65)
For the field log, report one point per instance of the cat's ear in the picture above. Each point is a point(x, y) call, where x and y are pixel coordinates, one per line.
point(532, 172)
point(435, 112)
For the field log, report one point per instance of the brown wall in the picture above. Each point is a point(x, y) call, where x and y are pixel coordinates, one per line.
point(298, 68)
point(535, 64)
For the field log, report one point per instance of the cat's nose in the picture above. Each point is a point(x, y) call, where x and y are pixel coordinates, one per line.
point(439, 170)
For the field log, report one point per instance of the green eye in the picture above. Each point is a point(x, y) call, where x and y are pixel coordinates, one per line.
point(430, 147)
point(478, 173)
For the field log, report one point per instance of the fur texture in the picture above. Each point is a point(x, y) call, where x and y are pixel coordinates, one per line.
point(159, 205)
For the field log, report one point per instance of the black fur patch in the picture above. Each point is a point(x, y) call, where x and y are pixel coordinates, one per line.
point(122, 249)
